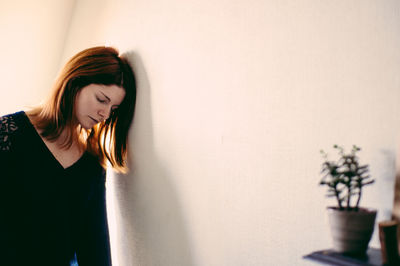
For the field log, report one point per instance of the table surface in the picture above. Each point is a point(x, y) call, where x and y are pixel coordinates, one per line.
point(373, 257)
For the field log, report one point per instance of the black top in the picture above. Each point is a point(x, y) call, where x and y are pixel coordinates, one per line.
point(48, 213)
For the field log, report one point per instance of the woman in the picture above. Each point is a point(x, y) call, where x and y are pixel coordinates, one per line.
point(52, 160)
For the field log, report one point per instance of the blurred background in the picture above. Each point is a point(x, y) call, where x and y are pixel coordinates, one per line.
point(235, 100)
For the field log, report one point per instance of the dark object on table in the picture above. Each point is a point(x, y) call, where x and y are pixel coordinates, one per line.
point(389, 245)
point(372, 258)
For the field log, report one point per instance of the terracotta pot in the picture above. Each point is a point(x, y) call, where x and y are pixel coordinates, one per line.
point(351, 230)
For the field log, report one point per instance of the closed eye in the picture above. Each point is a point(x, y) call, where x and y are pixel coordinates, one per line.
point(100, 100)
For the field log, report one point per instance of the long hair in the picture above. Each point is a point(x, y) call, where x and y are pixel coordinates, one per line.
point(108, 139)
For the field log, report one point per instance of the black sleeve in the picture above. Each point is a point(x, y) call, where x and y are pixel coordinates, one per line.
point(9, 225)
point(94, 245)
point(8, 128)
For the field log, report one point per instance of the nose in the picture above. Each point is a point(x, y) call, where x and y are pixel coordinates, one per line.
point(104, 113)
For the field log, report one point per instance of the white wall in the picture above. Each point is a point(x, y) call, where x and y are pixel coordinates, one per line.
point(235, 100)
point(32, 40)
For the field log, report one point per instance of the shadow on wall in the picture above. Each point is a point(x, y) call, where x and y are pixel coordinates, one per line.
point(151, 229)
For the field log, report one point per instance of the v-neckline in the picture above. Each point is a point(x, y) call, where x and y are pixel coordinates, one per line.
point(43, 144)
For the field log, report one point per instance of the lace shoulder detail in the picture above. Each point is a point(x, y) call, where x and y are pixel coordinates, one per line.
point(7, 127)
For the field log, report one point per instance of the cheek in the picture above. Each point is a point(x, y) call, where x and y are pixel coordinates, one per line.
point(84, 105)
point(95, 106)
point(90, 103)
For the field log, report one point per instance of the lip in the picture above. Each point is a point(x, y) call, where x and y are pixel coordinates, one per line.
point(94, 120)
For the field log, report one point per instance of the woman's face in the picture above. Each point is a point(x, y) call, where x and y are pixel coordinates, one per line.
point(95, 102)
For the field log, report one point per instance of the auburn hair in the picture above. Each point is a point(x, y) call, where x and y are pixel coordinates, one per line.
point(108, 139)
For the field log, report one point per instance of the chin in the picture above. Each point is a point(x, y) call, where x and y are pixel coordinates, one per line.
point(87, 125)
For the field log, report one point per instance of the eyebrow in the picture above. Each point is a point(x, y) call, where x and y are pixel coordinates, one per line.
point(106, 96)
point(117, 105)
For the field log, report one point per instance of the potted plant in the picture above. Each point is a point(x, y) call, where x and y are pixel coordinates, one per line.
point(351, 225)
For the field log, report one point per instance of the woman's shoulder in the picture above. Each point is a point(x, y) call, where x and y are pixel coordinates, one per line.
point(9, 125)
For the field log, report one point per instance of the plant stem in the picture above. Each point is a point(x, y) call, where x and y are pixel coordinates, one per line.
point(349, 195)
point(338, 199)
point(358, 200)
